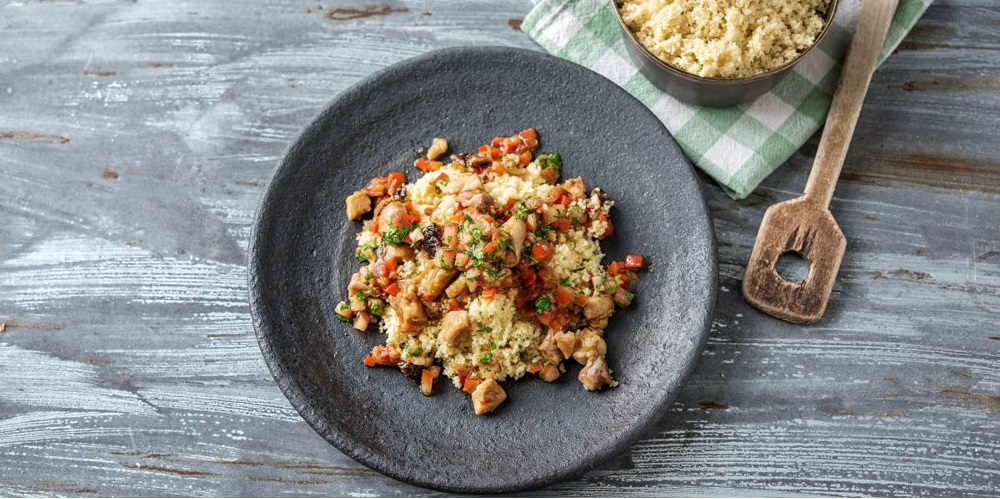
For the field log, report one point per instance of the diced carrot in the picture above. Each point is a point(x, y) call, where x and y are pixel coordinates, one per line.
point(426, 382)
point(470, 385)
point(529, 134)
point(488, 293)
point(369, 360)
point(392, 289)
point(633, 261)
point(564, 295)
point(615, 268)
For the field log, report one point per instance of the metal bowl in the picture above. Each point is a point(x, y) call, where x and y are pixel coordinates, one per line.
point(711, 92)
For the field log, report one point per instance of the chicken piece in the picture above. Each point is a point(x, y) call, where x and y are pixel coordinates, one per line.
point(358, 284)
point(550, 349)
point(598, 309)
point(487, 396)
point(566, 341)
point(456, 288)
point(407, 305)
point(595, 375)
point(435, 281)
point(437, 148)
point(388, 215)
point(400, 251)
point(462, 182)
point(575, 187)
point(549, 373)
point(480, 200)
point(357, 205)
point(517, 230)
point(454, 325)
point(589, 345)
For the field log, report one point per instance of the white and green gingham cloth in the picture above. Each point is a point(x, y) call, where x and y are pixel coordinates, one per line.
point(738, 146)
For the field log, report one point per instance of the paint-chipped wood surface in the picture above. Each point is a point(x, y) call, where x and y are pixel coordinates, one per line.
point(136, 138)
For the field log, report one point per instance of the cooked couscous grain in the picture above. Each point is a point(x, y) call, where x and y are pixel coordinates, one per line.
point(725, 38)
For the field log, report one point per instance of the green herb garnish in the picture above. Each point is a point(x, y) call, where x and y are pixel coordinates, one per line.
point(543, 304)
point(547, 160)
point(486, 358)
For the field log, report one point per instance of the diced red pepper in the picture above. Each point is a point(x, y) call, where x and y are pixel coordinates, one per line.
point(426, 165)
point(391, 264)
point(369, 360)
point(534, 368)
point(447, 258)
point(489, 293)
point(542, 251)
point(633, 261)
point(392, 289)
point(491, 247)
point(525, 158)
point(564, 295)
point(550, 174)
point(398, 177)
point(611, 228)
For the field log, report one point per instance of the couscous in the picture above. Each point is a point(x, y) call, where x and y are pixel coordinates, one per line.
point(485, 269)
point(725, 38)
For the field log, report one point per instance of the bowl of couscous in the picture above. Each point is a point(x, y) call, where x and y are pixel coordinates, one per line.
point(721, 53)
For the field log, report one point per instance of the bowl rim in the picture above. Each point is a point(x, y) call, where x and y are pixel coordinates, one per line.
point(661, 64)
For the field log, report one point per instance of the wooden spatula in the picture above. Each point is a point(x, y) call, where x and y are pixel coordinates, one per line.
point(804, 225)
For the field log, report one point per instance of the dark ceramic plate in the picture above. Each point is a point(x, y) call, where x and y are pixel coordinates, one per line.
point(302, 256)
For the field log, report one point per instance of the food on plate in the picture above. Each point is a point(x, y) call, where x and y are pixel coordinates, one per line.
point(487, 268)
point(725, 38)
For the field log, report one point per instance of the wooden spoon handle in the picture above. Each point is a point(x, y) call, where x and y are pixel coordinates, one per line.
point(869, 35)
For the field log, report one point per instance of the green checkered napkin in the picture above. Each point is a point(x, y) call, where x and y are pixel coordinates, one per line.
point(738, 146)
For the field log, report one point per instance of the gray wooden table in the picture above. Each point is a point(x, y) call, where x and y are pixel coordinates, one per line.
point(136, 138)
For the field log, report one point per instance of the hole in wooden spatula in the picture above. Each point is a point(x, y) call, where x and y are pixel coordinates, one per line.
point(792, 267)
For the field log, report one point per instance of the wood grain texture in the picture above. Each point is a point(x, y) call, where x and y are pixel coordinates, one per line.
point(804, 226)
point(129, 367)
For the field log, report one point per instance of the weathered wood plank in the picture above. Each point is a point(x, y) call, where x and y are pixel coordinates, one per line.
point(136, 139)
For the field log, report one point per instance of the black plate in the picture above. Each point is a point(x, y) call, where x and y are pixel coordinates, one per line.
point(302, 256)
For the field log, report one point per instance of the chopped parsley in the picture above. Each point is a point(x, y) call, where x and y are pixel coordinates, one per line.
point(362, 255)
point(521, 209)
point(415, 353)
point(375, 308)
point(393, 237)
point(493, 345)
point(484, 327)
point(543, 304)
point(564, 281)
point(547, 160)
point(487, 358)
